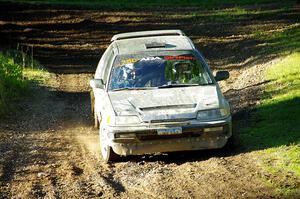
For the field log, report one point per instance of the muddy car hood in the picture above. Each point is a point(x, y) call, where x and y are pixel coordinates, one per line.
point(165, 104)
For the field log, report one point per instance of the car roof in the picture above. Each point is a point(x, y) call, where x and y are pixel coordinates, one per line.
point(130, 43)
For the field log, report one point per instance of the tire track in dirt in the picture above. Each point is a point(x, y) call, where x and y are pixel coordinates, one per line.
point(91, 178)
point(45, 160)
point(56, 154)
point(196, 174)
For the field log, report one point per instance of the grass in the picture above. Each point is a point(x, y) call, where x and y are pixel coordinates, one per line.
point(12, 84)
point(281, 42)
point(138, 4)
point(219, 15)
point(235, 14)
point(39, 76)
point(276, 126)
point(15, 81)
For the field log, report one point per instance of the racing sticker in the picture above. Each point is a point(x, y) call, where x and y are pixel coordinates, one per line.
point(183, 57)
point(128, 61)
point(150, 58)
point(134, 60)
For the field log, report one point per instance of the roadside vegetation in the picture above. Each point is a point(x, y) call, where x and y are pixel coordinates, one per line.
point(136, 4)
point(281, 42)
point(275, 129)
point(231, 14)
point(15, 79)
point(12, 84)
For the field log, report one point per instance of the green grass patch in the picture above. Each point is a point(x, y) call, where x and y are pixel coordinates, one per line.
point(276, 125)
point(281, 42)
point(220, 15)
point(12, 84)
point(142, 4)
point(39, 76)
point(236, 13)
point(15, 81)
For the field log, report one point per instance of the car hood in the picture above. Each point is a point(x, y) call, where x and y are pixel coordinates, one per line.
point(166, 103)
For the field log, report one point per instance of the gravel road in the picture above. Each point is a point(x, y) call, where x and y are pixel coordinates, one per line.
point(50, 149)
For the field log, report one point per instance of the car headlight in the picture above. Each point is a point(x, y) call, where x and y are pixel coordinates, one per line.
point(213, 114)
point(123, 120)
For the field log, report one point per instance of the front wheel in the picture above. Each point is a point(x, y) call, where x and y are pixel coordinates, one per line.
point(96, 121)
point(232, 143)
point(94, 113)
point(108, 155)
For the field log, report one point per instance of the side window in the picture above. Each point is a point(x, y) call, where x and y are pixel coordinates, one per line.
point(110, 56)
point(102, 65)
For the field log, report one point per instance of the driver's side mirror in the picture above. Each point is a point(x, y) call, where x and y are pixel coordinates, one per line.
point(97, 83)
point(222, 75)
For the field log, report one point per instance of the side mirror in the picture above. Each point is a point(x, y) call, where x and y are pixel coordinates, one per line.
point(97, 83)
point(222, 75)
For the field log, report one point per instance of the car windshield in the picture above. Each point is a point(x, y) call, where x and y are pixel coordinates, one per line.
point(160, 69)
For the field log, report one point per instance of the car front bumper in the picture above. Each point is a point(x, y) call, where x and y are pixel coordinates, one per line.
point(142, 139)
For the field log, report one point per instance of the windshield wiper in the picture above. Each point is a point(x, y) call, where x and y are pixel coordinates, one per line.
point(163, 86)
point(205, 84)
point(177, 85)
point(133, 88)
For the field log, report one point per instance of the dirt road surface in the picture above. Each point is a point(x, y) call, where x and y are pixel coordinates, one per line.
point(49, 148)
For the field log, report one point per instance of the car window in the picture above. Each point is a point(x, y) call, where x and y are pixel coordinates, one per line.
point(103, 63)
point(157, 69)
point(110, 57)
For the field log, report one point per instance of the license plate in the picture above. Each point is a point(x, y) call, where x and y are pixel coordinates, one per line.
point(170, 131)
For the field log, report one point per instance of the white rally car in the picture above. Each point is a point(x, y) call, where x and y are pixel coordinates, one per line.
point(154, 92)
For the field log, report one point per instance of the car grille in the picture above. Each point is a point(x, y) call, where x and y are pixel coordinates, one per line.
point(169, 120)
point(186, 133)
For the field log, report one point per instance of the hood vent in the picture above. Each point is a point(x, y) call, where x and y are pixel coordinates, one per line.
point(179, 106)
point(155, 45)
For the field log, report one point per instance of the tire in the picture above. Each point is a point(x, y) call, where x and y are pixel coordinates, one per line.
point(96, 121)
point(92, 103)
point(107, 153)
point(94, 114)
point(232, 143)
